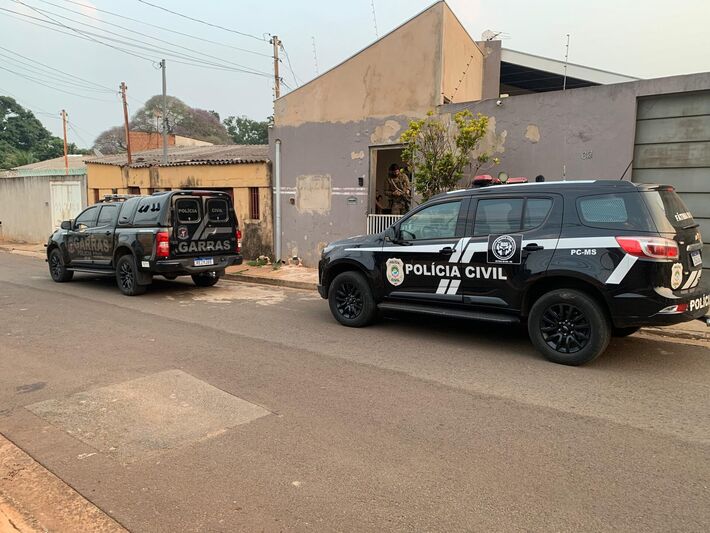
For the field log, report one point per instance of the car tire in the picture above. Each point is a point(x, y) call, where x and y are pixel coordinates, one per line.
point(206, 279)
point(127, 276)
point(569, 327)
point(624, 332)
point(57, 268)
point(351, 300)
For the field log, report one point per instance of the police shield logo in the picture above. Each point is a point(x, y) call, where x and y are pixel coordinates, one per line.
point(182, 232)
point(504, 249)
point(676, 275)
point(395, 271)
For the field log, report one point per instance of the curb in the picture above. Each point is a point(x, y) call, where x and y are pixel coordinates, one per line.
point(20, 251)
point(677, 334)
point(272, 281)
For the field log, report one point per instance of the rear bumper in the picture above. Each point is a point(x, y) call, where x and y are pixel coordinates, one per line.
point(655, 308)
point(185, 266)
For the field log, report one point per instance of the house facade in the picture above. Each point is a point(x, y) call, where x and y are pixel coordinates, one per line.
point(337, 137)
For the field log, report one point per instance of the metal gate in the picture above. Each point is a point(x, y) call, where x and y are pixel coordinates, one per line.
point(672, 147)
point(66, 200)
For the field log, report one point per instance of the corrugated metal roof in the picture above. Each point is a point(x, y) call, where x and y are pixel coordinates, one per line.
point(57, 163)
point(223, 154)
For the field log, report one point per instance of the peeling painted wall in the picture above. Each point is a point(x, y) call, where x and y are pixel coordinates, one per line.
point(588, 131)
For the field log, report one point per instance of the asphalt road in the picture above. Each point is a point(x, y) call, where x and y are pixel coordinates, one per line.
point(415, 425)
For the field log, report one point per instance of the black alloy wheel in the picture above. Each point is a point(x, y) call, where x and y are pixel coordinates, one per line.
point(565, 328)
point(126, 277)
point(349, 300)
point(57, 269)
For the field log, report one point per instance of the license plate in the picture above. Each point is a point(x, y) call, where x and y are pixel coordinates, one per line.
point(696, 258)
point(203, 261)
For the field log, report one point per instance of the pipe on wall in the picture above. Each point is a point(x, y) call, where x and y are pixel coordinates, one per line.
point(277, 201)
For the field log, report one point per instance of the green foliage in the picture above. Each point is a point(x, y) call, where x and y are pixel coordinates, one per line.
point(244, 130)
point(182, 120)
point(23, 138)
point(438, 150)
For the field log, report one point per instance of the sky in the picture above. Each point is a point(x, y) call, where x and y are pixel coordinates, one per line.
point(643, 38)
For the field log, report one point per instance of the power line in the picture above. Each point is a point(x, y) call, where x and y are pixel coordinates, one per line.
point(288, 60)
point(202, 21)
point(203, 39)
point(55, 69)
point(192, 61)
point(374, 18)
point(315, 55)
point(53, 77)
point(82, 33)
point(40, 82)
point(137, 33)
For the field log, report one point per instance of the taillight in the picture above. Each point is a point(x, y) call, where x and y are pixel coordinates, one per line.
point(162, 240)
point(239, 241)
point(656, 248)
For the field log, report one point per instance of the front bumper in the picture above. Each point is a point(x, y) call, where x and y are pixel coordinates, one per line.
point(184, 266)
point(656, 307)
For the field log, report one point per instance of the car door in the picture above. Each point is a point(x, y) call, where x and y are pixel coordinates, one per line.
point(511, 240)
point(78, 238)
point(415, 265)
point(101, 235)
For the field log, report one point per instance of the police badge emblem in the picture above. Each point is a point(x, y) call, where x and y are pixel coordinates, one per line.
point(182, 232)
point(395, 271)
point(676, 275)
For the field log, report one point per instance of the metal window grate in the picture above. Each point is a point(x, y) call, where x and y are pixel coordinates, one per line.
point(254, 212)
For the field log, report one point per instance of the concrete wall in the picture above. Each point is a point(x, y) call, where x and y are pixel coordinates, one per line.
point(398, 73)
point(590, 131)
point(320, 165)
point(25, 207)
point(462, 62)
point(257, 235)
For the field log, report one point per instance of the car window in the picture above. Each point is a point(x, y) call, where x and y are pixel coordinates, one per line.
point(434, 222)
point(128, 211)
point(217, 210)
point(148, 212)
point(498, 215)
point(87, 218)
point(108, 215)
point(615, 211)
point(536, 211)
point(188, 210)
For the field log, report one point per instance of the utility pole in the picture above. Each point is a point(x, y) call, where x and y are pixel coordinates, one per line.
point(277, 80)
point(165, 115)
point(125, 121)
point(66, 157)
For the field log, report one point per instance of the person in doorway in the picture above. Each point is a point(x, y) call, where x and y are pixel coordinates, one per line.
point(400, 191)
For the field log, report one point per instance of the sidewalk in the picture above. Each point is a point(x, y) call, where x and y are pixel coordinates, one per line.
point(32, 499)
point(297, 277)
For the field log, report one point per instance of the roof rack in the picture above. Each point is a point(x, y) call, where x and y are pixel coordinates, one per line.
point(117, 197)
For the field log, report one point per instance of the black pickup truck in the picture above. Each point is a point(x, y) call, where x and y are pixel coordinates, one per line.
point(175, 233)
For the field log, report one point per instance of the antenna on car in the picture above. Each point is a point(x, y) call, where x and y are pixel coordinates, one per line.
point(627, 169)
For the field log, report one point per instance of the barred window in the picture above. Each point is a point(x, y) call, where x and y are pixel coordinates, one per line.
point(254, 212)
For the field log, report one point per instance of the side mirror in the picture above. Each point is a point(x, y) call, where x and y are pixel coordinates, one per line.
point(66, 224)
point(391, 234)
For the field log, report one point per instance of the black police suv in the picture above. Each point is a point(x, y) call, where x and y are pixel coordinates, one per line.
point(578, 261)
point(175, 233)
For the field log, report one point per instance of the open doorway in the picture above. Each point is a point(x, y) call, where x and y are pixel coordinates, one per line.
point(390, 182)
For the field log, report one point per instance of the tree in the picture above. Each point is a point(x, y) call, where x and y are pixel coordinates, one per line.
point(182, 120)
point(244, 130)
point(111, 141)
point(438, 149)
point(23, 138)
